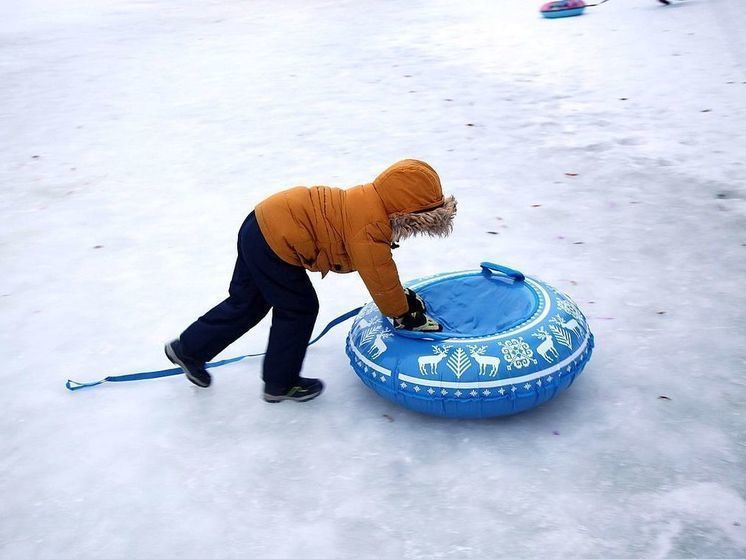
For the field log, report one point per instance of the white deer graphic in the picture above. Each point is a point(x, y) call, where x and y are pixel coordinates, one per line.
point(477, 352)
point(441, 352)
point(572, 325)
point(379, 346)
point(546, 348)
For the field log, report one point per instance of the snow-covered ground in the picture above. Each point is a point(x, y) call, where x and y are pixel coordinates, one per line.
point(603, 153)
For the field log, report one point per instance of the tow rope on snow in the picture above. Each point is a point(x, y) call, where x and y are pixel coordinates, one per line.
point(75, 385)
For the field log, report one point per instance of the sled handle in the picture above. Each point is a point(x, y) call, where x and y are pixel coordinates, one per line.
point(489, 267)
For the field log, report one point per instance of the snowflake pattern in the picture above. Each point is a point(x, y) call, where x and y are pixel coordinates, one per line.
point(502, 391)
point(517, 353)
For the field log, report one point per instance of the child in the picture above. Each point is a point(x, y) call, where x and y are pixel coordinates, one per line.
point(321, 229)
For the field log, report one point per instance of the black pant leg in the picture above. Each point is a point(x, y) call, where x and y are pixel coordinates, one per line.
point(229, 320)
point(288, 340)
point(289, 291)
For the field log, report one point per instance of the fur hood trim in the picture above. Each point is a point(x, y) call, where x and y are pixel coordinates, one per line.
point(437, 222)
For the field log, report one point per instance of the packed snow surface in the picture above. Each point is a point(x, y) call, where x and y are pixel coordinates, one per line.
point(604, 154)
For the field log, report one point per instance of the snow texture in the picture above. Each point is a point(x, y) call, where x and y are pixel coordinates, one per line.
point(602, 153)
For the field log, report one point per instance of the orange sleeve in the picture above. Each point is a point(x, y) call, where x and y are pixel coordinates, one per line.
point(371, 253)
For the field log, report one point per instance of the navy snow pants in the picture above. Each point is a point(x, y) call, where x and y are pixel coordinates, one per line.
point(261, 280)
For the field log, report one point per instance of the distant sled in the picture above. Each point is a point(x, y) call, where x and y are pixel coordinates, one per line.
point(566, 8)
point(563, 8)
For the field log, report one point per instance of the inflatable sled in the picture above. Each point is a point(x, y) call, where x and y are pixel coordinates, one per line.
point(563, 8)
point(509, 343)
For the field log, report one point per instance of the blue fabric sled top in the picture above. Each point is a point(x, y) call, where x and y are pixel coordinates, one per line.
point(479, 304)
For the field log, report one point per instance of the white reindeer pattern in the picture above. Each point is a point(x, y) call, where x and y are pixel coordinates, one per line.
point(431, 361)
point(379, 346)
point(546, 348)
point(484, 361)
point(571, 325)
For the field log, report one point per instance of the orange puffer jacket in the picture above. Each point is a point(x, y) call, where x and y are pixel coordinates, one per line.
point(330, 229)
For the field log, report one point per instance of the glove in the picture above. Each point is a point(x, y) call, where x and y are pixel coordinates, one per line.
point(415, 302)
point(417, 321)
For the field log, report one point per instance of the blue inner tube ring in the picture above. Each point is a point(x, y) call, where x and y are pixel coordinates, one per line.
point(509, 345)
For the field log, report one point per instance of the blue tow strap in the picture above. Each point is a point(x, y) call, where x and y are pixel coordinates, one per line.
point(75, 385)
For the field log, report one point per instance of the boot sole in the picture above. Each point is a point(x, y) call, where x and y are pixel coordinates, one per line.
point(277, 399)
point(176, 361)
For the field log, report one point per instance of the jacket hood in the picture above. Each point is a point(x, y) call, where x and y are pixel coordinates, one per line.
point(409, 186)
point(413, 199)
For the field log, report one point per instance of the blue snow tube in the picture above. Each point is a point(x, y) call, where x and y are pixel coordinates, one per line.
point(509, 343)
point(563, 8)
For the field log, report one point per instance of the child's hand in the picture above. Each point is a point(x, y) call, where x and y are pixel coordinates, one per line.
point(415, 318)
point(415, 302)
point(417, 321)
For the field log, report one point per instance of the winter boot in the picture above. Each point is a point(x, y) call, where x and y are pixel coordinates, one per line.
point(304, 389)
point(194, 370)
